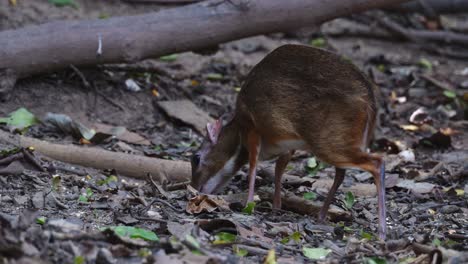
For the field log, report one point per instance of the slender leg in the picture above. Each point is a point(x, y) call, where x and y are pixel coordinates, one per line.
point(339, 177)
point(281, 164)
point(379, 178)
point(253, 145)
point(376, 167)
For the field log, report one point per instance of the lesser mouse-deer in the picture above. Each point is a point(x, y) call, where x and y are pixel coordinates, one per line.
point(297, 97)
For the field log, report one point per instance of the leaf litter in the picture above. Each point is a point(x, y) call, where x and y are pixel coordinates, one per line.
point(70, 207)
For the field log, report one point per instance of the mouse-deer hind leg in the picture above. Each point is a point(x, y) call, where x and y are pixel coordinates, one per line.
point(375, 165)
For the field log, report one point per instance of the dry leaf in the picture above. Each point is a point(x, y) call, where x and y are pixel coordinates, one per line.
point(207, 203)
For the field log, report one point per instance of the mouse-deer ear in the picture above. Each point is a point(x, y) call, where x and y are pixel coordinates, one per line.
point(213, 130)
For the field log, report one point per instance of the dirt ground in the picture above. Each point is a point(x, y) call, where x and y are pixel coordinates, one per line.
point(57, 215)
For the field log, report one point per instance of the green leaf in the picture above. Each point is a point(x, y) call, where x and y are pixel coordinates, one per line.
point(41, 220)
point(310, 196)
point(89, 192)
point(318, 42)
point(349, 200)
point(109, 179)
point(20, 119)
point(239, 251)
point(365, 235)
point(249, 208)
point(8, 152)
point(296, 236)
point(436, 242)
point(313, 166)
point(61, 3)
point(315, 253)
point(79, 260)
point(425, 63)
point(224, 238)
point(214, 76)
point(83, 198)
point(169, 58)
point(158, 148)
point(144, 252)
point(133, 232)
point(237, 89)
point(375, 260)
point(450, 94)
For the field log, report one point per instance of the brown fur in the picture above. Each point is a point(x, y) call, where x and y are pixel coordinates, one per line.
point(297, 89)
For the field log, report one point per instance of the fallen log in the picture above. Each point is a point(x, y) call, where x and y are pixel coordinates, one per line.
point(56, 45)
point(438, 6)
point(126, 164)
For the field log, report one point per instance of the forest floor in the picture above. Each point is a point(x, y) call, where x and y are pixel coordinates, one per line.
point(60, 215)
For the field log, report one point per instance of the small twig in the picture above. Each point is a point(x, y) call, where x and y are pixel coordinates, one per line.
point(143, 218)
point(432, 172)
point(29, 157)
point(87, 85)
point(250, 242)
point(440, 84)
point(81, 75)
point(420, 35)
point(273, 209)
point(59, 203)
point(135, 68)
point(157, 200)
point(175, 186)
point(139, 198)
point(112, 102)
point(11, 158)
point(158, 187)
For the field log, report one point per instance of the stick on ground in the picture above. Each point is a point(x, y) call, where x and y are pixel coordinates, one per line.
point(129, 165)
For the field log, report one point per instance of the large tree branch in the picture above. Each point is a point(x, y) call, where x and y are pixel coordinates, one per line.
point(125, 164)
point(56, 45)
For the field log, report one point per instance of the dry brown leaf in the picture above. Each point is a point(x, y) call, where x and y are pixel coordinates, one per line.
point(207, 203)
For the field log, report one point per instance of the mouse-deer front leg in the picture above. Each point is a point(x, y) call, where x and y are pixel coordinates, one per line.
point(339, 177)
point(253, 147)
point(281, 164)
